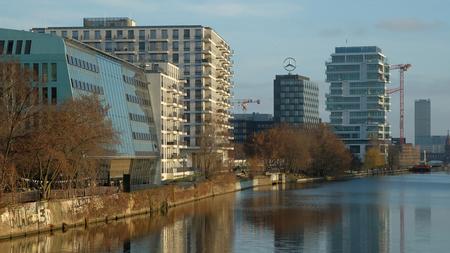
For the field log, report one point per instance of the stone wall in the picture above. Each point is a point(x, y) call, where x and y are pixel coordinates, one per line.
point(35, 217)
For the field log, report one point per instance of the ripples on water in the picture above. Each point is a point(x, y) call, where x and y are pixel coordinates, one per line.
point(407, 213)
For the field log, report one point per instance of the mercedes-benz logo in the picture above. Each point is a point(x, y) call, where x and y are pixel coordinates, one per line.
point(289, 64)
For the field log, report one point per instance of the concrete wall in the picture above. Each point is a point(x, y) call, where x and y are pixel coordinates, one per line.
point(29, 218)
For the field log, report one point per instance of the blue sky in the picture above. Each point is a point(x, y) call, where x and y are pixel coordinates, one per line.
point(264, 32)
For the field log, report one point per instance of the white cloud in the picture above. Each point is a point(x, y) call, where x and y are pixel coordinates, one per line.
point(407, 25)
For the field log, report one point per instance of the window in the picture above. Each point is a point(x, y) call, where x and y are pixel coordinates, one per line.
point(45, 95)
point(119, 34)
point(187, 45)
point(152, 34)
point(130, 34)
point(9, 48)
point(64, 33)
point(141, 34)
point(2, 45)
point(187, 34)
point(27, 46)
point(164, 34)
point(35, 72)
point(54, 74)
point(153, 45)
point(44, 72)
point(75, 35)
point(19, 47)
point(175, 46)
point(86, 35)
point(97, 35)
point(175, 58)
point(198, 33)
point(108, 46)
point(141, 46)
point(53, 95)
point(175, 34)
point(108, 34)
point(187, 58)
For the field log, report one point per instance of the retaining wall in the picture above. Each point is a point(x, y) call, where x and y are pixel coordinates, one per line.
point(30, 218)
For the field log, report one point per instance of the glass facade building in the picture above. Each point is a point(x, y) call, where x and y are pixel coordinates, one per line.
point(357, 99)
point(66, 68)
point(203, 56)
point(296, 100)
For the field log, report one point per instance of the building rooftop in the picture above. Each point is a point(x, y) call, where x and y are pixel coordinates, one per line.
point(253, 116)
point(357, 49)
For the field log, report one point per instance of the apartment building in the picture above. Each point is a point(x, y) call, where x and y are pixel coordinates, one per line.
point(202, 55)
point(357, 101)
point(166, 90)
point(64, 69)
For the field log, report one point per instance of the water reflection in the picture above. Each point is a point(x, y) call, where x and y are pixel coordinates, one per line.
point(406, 213)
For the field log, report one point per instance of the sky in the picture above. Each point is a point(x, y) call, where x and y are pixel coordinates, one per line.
point(264, 32)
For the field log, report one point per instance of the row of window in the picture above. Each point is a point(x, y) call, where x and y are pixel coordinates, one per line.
point(140, 118)
point(130, 34)
point(44, 68)
point(134, 81)
point(87, 87)
point(82, 64)
point(10, 47)
point(142, 136)
point(137, 100)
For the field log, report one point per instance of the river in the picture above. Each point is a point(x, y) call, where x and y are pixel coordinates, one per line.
point(405, 213)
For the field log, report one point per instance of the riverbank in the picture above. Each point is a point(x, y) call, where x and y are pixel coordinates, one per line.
point(44, 216)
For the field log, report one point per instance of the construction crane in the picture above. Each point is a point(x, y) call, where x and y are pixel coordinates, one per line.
point(402, 69)
point(243, 103)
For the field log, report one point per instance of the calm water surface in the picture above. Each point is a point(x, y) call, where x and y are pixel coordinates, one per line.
point(407, 213)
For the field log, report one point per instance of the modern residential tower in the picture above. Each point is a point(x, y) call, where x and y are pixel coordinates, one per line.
point(357, 100)
point(202, 55)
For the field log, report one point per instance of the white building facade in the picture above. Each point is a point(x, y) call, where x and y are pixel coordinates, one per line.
point(358, 101)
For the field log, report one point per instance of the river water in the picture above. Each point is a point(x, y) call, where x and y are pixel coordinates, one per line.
point(406, 213)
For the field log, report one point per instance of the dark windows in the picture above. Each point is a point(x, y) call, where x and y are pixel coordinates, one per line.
point(44, 75)
point(175, 34)
point(75, 35)
point(187, 45)
point(35, 72)
point(130, 34)
point(2, 45)
point(86, 35)
point(164, 34)
point(175, 58)
point(175, 46)
point(53, 95)
point(9, 48)
point(198, 34)
point(152, 34)
point(141, 46)
point(187, 58)
point(97, 35)
point(64, 34)
point(19, 46)
point(108, 34)
point(27, 46)
point(54, 72)
point(187, 34)
point(141, 34)
point(119, 34)
point(45, 95)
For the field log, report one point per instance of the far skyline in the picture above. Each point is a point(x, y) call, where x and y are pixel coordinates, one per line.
point(264, 32)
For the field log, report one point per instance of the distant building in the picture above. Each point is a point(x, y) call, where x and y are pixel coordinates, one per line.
point(64, 69)
point(409, 156)
point(246, 125)
point(357, 101)
point(296, 100)
point(422, 122)
point(443, 156)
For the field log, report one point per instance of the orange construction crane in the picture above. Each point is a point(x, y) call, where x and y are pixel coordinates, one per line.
point(243, 103)
point(402, 68)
